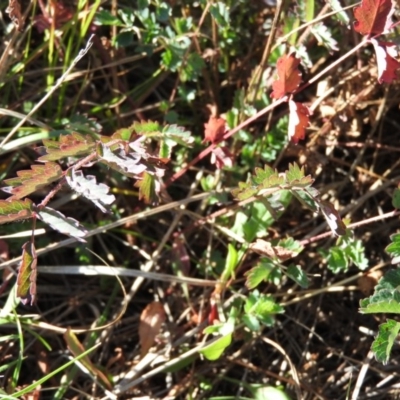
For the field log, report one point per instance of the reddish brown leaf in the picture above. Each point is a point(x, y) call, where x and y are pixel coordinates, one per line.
point(289, 76)
point(298, 121)
point(151, 319)
point(373, 17)
point(14, 11)
point(26, 280)
point(214, 130)
point(387, 64)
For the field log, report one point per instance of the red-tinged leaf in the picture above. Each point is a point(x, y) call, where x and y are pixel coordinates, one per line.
point(14, 11)
point(26, 280)
point(73, 145)
point(31, 180)
point(386, 61)
point(151, 320)
point(76, 348)
point(298, 121)
point(15, 210)
point(289, 76)
point(148, 188)
point(373, 17)
point(222, 157)
point(214, 130)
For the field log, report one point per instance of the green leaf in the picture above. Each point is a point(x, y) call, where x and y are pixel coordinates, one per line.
point(77, 349)
point(309, 10)
point(394, 248)
point(15, 210)
point(73, 145)
point(386, 297)
point(61, 223)
point(214, 350)
point(295, 273)
point(261, 272)
point(26, 280)
point(28, 181)
point(337, 260)
point(341, 14)
point(384, 341)
point(396, 198)
point(231, 264)
point(103, 17)
point(307, 198)
point(147, 188)
point(251, 322)
point(220, 12)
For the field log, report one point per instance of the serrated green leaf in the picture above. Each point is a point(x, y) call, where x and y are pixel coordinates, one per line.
point(264, 174)
point(147, 128)
point(259, 273)
point(386, 297)
point(26, 280)
point(295, 273)
point(15, 210)
point(61, 223)
point(384, 341)
point(244, 192)
point(72, 145)
point(29, 181)
point(294, 173)
point(337, 260)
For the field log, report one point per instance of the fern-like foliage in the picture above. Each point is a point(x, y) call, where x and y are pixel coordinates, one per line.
point(29, 181)
point(73, 145)
point(130, 151)
point(267, 181)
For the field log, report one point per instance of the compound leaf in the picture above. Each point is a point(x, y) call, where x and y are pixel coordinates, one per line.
point(127, 164)
point(87, 187)
point(72, 145)
point(28, 181)
point(61, 223)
